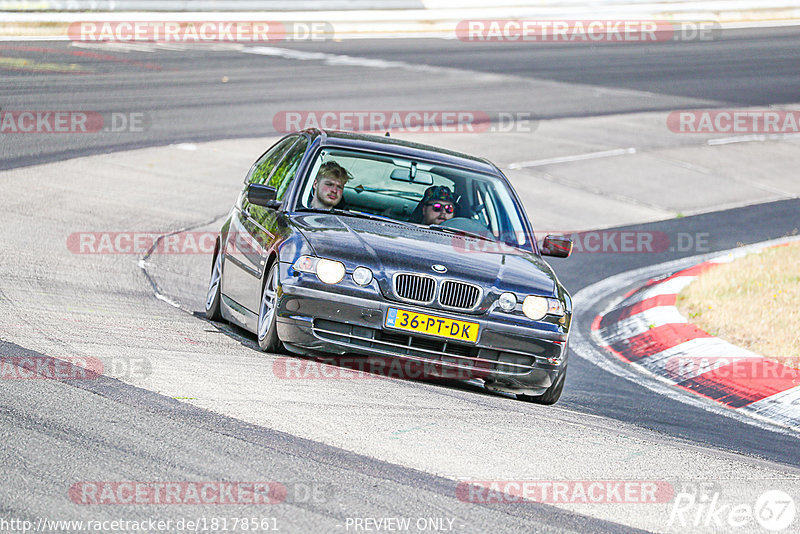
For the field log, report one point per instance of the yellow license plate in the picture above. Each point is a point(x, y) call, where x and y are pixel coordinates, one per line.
point(432, 325)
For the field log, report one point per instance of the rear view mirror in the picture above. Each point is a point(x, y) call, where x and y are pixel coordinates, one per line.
point(558, 246)
point(404, 175)
point(263, 195)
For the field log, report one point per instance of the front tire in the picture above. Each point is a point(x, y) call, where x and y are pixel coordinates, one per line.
point(267, 313)
point(551, 394)
point(214, 295)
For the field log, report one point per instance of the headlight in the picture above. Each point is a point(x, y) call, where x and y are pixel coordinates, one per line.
point(329, 271)
point(507, 302)
point(534, 307)
point(537, 307)
point(362, 276)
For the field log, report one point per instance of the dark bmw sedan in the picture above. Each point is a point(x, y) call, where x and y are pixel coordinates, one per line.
point(368, 246)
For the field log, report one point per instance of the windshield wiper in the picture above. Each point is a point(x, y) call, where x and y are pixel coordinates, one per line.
point(451, 230)
point(359, 214)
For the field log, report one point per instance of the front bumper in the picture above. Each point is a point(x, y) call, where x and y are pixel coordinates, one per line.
point(315, 321)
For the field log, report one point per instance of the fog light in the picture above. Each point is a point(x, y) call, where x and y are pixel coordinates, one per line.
point(362, 276)
point(507, 302)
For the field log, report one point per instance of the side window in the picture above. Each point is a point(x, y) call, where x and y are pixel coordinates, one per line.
point(277, 172)
point(262, 168)
point(487, 215)
point(286, 169)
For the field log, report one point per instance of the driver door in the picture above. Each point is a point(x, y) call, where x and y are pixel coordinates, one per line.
point(253, 228)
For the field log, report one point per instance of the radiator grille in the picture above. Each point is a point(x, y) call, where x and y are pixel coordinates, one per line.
point(458, 295)
point(415, 287)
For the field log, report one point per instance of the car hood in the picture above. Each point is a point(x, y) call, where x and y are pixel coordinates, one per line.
point(388, 247)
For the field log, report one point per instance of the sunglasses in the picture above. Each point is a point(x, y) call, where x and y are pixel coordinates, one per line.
point(448, 208)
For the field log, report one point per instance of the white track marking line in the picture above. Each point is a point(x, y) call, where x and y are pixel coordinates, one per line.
point(473, 75)
point(568, 159)
point(168, 300)
point(121, 47)
point(341, 59)
point(189, 147)
point(751, 139)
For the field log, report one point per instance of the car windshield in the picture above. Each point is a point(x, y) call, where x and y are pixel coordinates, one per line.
point(433, 195)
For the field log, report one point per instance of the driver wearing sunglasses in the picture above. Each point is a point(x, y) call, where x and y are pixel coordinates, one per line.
point(438, 205)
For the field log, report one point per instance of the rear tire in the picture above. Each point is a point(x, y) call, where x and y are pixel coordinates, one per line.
point(267, 313)
point(551, 395)
point(214, 294)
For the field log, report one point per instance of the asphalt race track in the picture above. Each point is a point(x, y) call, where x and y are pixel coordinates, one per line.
point(190, 401)
point(183, 93)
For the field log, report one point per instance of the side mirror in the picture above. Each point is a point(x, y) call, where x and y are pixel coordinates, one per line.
point(558, 246)
point(263, 195)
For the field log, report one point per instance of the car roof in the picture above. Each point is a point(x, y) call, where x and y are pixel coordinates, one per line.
point(399, 147)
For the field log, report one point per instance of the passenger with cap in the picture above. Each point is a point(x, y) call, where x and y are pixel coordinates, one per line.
point(438, 205)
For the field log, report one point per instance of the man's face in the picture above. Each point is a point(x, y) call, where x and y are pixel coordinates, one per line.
point(328, 191)
point(437, 212)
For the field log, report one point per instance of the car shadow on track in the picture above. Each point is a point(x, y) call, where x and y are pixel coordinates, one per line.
point(356, 366)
